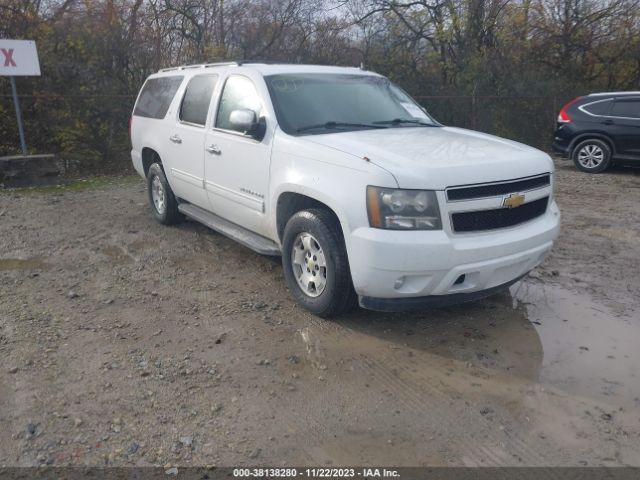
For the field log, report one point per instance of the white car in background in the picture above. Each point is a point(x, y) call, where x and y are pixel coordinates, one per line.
point(365, 196)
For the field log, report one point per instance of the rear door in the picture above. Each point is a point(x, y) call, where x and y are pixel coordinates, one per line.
point(186, 140)
point(624, 124)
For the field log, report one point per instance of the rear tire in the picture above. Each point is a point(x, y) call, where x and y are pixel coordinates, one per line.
point(315, 263)
point(164, 205)
point(592, 156)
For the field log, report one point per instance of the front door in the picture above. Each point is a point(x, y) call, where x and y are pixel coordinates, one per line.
point(237, 163)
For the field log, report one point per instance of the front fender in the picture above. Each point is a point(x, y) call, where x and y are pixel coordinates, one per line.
point(326, 175)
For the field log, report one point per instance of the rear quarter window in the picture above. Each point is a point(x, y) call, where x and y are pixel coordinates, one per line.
point(601, 107)
point(156, 96)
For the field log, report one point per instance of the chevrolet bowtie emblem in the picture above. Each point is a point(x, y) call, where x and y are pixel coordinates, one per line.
point(514, 200)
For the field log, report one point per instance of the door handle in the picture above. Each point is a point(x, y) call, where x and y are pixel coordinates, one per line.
point(175, 139)
point(214, 149)
point(608, 122)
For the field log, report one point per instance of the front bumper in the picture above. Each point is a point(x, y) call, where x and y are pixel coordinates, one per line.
point(389, 264)
point(414, 304)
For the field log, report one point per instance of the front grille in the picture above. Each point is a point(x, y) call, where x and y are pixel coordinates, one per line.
point(499, 217)
point(495, 189)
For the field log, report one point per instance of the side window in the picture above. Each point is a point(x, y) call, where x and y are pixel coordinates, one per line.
point(239, 93)
point(156, 96)
point(196, 100)
point(598, 108)
point(626, 108)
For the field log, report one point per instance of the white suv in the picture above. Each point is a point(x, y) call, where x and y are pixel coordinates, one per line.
point(365, 196)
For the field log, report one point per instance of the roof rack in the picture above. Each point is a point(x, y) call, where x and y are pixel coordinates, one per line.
point(266, 62)
point(613, 93)
point(237, 63)
point(198, 65)
point(276, 62)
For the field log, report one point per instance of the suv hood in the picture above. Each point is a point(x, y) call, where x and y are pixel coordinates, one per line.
point(439, 157)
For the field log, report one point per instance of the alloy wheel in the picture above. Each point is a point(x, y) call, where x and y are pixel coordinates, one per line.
point(158, 195)
point(309, 265)
point(590, 156)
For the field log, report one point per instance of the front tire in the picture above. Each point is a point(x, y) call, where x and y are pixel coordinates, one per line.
point(592, 156)
point(315, 263)
point(164, 205)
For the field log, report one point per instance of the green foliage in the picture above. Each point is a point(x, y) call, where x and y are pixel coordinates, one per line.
point(79, 185)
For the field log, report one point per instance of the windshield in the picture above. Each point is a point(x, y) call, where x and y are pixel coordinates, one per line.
point(326, 103)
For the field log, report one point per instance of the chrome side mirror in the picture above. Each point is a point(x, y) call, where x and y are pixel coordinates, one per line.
point(243, 120)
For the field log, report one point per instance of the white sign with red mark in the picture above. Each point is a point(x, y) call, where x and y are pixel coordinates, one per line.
point(19, 58)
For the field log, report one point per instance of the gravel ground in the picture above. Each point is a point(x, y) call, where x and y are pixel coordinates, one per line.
point(123, 342)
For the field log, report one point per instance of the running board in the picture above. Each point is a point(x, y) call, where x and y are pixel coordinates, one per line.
point(255, 242)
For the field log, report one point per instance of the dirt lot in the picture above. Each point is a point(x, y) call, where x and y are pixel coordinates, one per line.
point(123, 342)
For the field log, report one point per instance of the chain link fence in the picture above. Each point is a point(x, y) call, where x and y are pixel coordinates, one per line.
point(530, 120)
point(90, 132)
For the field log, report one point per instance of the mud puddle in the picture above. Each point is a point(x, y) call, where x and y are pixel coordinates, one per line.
point(117, 254)
point(587, 350)
point(23, 264)
point(540, 333)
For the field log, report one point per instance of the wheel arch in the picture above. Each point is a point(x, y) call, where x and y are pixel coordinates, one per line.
point(291, 202)
point(149, 157)
point(588, 136)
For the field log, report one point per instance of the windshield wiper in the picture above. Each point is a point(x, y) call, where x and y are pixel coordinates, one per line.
point(330, 125)
point(398, 121)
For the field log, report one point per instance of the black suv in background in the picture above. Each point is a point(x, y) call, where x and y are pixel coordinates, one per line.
point(600, 129)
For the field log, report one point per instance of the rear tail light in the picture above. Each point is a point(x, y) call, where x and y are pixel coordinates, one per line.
point(563, 116)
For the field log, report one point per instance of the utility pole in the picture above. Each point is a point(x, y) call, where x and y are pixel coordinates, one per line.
point(16, 103)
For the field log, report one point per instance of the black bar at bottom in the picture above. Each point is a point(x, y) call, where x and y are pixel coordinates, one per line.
point(369, 473)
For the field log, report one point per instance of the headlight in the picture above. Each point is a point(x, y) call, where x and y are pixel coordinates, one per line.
point(396, 209)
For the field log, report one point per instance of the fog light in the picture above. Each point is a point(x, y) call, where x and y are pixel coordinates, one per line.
point(398, 283)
